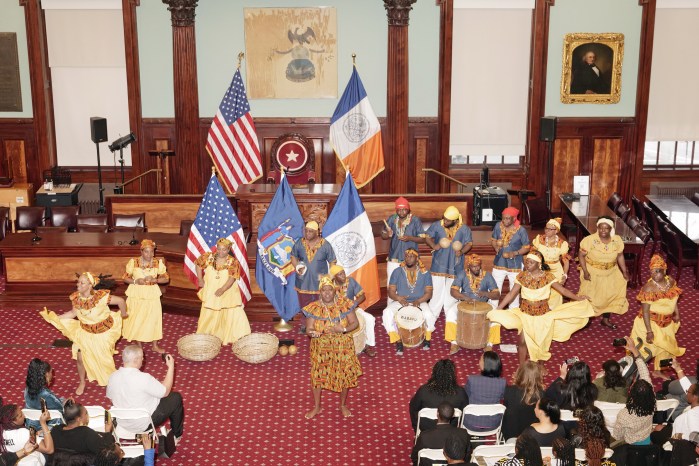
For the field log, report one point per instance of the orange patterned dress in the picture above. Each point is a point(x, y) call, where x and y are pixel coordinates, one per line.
point(334, 363)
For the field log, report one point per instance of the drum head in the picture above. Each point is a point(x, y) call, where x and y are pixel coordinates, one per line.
point(475, 307)
point(409, 317)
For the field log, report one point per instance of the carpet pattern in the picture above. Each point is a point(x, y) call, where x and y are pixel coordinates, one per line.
point(238, 413)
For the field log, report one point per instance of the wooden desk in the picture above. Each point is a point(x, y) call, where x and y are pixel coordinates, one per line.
point(682, 213)
point(20, 194)
point(586, 211)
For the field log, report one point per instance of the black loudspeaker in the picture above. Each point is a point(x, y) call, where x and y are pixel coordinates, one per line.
point(488, 204)
point(547, 129)
point(98, 129)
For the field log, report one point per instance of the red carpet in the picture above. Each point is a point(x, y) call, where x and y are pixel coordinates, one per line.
point(237, 413)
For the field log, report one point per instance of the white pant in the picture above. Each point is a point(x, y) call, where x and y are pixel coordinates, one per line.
point(370, 322)
point(452, 312)
point(441, 295)
point(499, 276)
point(390, 267)
point(389, 314)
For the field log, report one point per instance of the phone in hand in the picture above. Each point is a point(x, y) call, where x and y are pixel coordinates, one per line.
point(107, 417)
point(44, 408)
point(572, 360)
point(619, 342)
point(32, 435)
point(665, 363)
point(164, 356)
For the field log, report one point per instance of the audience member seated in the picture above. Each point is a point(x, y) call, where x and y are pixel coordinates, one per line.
point(14, 436)
point(113, 455)
point(129, 387)
point(527, 453)
point(593, 435)
point(76, 436)
point(573, 389)
point(456, 451)
point(441, 387)
point(635, 422)
point(483, 389)
point(520, 399)
point(549, 426)
point(39, 378)
point(563, 453)
point(437, 436)
point(611, 386)
point(684, 424)
point(677, 389)
point(10, 458)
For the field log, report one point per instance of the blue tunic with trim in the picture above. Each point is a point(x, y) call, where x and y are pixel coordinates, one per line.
point(463, 285)
point(399, 278)
point(397, 248)
point(444, 260)
point(308, 282)
point(518, 239)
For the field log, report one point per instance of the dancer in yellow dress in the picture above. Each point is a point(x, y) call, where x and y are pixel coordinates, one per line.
point(334, 363)
point(96, 330)
point(555, 252)
point(536, 323)
point(222, 312)
point(143, 275)
point(659, 319)
point(604, 274)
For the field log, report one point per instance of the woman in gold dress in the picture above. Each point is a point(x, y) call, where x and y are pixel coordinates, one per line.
point(535, 321)
point(222, 312)
point(334, 363)
point(555, 252)
point(143, 275)
point(604, 274)
point(95, 332)
point(659, 319)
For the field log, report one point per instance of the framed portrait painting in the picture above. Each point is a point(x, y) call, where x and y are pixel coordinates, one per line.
point(592, 68)
point(291, 52)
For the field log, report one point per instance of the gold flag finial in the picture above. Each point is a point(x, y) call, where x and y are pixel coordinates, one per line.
point(354, 59)
point(213, 171)
point(240, 58)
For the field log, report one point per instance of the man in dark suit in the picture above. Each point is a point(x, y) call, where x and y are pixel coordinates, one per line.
point(588, 78)
point(437, 436)
point(456, 451)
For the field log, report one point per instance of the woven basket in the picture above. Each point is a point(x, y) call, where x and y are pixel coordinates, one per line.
point(256, 347)
point(196, 347)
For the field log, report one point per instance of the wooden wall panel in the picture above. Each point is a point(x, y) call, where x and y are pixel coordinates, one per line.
point(16, 159)
point(18, 144)
point(566, 163)
point(605, 167)
point(420, 163)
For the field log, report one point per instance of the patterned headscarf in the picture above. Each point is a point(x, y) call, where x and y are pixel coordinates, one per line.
point(657, 262)
point(147, 243)
point(91, 278)
point(555, 222)
point(413, 252)
point(224, 242)
point(474, 259)
point(512, 212)
point(325, 280)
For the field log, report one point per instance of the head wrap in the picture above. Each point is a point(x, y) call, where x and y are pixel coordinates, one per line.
point(555, 222)
point(91, 278)
point(413, 252)
point(312, 225)
point(335, 269)
point(657, 262)
point(474, 259)
point(534, 257)
point(512, 212)
point(224, 242)
point(609, 222)
point(147, 243)
point(452, 213)
point(402, 203)
point(325, 280)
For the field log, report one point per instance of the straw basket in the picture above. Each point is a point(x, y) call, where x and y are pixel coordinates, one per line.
point(196, 347)
point(359, 335)
point(256, 347)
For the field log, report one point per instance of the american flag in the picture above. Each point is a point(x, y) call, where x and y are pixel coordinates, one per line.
point(217, 219)
point(232, 141)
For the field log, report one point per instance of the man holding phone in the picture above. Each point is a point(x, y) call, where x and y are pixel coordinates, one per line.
point(129, 387)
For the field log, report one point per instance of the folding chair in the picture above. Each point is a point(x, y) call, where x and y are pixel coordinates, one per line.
point(568, 416)
point(669, 406)
point(96, 414)
point(435, 455)
point(610, 411)
point(493, 452)
point(431, 413)
point(125, 436)
point(35, 414)
point(485, 410)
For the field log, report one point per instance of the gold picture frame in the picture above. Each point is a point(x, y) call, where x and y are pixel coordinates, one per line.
point(592, 68)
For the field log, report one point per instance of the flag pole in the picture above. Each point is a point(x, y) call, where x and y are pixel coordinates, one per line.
point(241, 55)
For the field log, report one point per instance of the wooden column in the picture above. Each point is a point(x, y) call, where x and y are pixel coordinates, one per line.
point(446, 25)
point(42, 96)
point(398, 12)
point(186, 175)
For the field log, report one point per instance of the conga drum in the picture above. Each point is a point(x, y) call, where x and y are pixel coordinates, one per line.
point(472, 325)
point(411, 326)
point(359, 334)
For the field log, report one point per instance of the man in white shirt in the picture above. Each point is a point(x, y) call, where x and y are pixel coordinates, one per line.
point(128, 387)
point(688, 422)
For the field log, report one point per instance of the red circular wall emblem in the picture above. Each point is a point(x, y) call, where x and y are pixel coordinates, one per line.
point(292, 155)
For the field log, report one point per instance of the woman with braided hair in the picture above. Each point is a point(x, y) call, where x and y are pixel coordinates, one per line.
point(92, 327)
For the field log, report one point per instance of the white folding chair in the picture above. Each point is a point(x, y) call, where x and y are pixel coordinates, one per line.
point(492, 452)
point(484, 410)
point(669, 405)
point(96, 414)
point(431, 413)
point(125, 436)
point(35, 414)
point(436, 455)
point(568, 416)
point(610, 411)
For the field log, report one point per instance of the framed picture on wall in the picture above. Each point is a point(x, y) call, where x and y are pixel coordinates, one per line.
point(592, 68)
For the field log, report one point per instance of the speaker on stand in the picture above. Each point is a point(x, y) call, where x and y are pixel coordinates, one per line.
point(98, 133)
point(547, 133)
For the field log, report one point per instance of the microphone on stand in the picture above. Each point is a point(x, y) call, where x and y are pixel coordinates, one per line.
point(36, 237)
point(134, 241)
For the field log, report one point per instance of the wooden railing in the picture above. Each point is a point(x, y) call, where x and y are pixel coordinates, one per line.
point(139, 178)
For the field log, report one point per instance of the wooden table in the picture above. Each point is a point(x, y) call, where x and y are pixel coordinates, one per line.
point(682, 213)
point(586, 211)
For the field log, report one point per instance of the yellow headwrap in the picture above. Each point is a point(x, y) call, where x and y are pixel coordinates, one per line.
point(657, 262)
point(325, 280)
point(452, 213)
point(335, 269)
point(147, 243)
point(554, 222)
point(224, 242)
point(474, 259)
point(413, 252)
point(606, 221)
point(312, 225)
point(534, 257)
point(91, 278)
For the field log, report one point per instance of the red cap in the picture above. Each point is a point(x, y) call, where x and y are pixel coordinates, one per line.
point(402, 203)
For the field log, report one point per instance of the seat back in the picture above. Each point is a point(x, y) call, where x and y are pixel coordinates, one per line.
point(121, 222)
point(695, 198)
point(96, 414)
point(492, 452)
point(5, 226)
point(638, 208)
point(431, 413)
point(29, 217)
point(92, 219)
point(568, 416)
point(185, 227)
point(125, 436)
point(610, 412)
point(536, 213)
point(435, 455)
point(485, 410)
point(623, 210)
point(614, 200)
point(35, 414)
point(652, 221)
point(669, 406)
point(632, 221)
point(65, 216)
point(643, 233)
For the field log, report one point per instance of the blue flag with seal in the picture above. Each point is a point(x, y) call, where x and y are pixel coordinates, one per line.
point(279, 229)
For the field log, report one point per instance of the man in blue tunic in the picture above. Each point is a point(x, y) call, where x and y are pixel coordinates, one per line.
point(410, 284)
point(405, 231)
point(352, 290)
point(449, 239)
point(470, 285)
